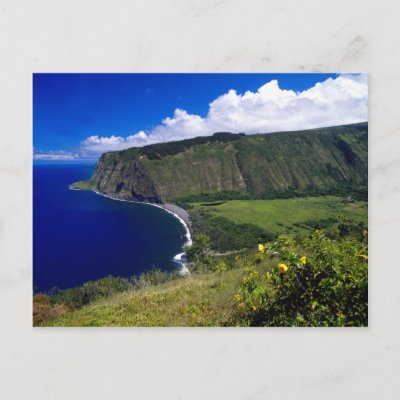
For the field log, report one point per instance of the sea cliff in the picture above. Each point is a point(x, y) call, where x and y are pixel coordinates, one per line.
point(327, 160)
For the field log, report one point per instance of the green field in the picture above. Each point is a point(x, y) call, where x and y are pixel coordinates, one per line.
point(271, 215)
point(238, 223)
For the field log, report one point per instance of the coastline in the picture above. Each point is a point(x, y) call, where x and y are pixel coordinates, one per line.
point(184, 218)
point(178, 212)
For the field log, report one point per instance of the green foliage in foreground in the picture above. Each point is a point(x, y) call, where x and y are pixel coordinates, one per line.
point(90, 291)
point(196, 300)
point(326, 287)
point(95, 290)
point(321, 280)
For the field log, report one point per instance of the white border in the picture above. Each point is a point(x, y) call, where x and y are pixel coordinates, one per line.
point(207, 36)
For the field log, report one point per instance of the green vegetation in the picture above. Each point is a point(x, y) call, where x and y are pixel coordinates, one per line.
point(105, 287)
point(161, 150)
point(84, 185)
point(199, 250)
point(62, 301)
point(241, 224)
point(321, 280)
point(326, 287)
point(357, 192)
point(328, 161)
point(43, 311)
point(90, 291)
point(198, 300)
point(226, 235)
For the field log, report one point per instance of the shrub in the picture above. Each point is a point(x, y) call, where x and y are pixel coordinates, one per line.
point(326, 284)
point(226, 235)
point(349, 227)
point(199, 250)
point(42, 310)
point(152, 278)
point(90, 291)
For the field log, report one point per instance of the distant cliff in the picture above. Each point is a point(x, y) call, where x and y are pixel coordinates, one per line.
point(264, 165)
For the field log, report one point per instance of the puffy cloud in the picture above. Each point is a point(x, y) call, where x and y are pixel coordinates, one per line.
point(338, 101)
point(181, 126)
point(96, 145)
point(55, 155)
point(333, 102)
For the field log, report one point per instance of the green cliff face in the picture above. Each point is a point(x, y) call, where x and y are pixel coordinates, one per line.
point(263, 165)
point(126, 179)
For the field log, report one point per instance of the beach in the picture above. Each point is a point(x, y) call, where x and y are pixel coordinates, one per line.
point(184, 218)
point(181, 213)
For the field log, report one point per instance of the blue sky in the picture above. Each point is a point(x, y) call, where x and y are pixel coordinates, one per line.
point(82, 115)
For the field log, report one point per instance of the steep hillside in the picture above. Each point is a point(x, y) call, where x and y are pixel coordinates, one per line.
point(328, 160)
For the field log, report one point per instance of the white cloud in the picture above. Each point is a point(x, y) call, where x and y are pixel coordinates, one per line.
point(96, 145)
point(55, 155)
point(342, 100)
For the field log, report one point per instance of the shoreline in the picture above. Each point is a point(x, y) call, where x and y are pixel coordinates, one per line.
point(178, 212)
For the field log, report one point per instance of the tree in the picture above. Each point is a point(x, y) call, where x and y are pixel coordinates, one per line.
point(199, 250)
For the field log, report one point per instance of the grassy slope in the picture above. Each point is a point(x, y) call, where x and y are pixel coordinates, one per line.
point(198, 300)
point(212, 167)
point(322, 158)
point(265, 165)
point(275, 215)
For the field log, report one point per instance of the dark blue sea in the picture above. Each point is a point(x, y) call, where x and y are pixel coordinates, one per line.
point(80, 236)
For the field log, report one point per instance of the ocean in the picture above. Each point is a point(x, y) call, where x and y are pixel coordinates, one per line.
point(80, 236)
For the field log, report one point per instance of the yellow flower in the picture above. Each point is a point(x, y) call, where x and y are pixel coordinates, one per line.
point(282, 268)
point(261, 248)
point(254, 308)
point(303, 260)
point(254, 274)
point(242, 306)
point(237, 258)
point(268, 275)
point(236, 297)
point(363, 256)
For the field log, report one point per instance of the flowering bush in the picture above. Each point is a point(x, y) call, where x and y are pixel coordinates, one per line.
point(323, 282)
